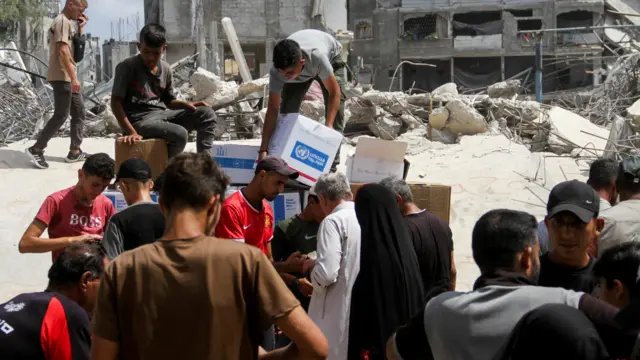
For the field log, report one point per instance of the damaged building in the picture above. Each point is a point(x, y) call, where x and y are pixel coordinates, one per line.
point(475, 44)
point(259, 24)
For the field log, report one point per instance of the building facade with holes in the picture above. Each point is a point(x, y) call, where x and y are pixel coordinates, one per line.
point(475, 43)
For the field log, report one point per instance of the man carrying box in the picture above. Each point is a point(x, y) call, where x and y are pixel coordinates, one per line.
point(142, 99)
point(303, 57)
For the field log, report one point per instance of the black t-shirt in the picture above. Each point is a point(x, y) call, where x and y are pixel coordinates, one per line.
point(44, 326)
point(132, 227)
point(570, 278)
point(433, 242)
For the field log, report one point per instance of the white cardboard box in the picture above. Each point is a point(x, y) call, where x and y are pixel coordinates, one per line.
point(237, 161)
point(306, 145)
point(118, 200)
point(284, 206)
point(376, 159)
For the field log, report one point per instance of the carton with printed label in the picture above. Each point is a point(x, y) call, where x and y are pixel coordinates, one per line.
point(306, 145)
point(284, 206)
point(376, 159)
point(237, 161)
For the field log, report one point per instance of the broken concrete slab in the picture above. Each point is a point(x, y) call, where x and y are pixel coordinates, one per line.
point(419, 99)
point(634, 110)
point(448, 88)
point(464, 119)
point(569, 131)
point(438, 118)
point(313, 109)
point(386, 127)
point(505, 89)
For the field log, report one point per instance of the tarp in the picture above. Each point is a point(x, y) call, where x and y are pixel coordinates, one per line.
point(470, 80)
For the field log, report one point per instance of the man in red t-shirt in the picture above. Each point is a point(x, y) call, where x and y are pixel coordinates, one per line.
point(76, 214)
point(246, 215)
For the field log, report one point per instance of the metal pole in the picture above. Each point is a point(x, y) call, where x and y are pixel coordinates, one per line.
point(539, 70)
point(215, 46)
point(579, 28)
point(202, 42)
point(234, 43)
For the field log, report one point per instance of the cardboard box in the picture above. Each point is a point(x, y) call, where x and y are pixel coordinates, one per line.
point(284, 206)
point(118, 200)
point(435, 198)
point(153, 151)
point(376, 159)
point(237, 161)
point(306, 145)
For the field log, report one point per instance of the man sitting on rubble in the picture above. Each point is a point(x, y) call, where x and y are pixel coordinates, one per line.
point(303, 57)
point(142, 99)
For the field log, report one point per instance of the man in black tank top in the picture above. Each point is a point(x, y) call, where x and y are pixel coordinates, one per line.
point(142, 222)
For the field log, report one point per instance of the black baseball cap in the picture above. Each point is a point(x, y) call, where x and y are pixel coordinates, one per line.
point(630, 169)
point(274, 163)
point(134, 168)
point(575, 197)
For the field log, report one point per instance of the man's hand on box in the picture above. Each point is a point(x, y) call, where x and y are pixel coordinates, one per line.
point(130, 139)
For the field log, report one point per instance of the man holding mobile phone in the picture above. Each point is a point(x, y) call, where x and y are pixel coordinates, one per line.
point(63, 78)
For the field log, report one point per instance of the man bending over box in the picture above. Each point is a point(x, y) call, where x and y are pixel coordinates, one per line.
point(303, 57)
point(143, 102)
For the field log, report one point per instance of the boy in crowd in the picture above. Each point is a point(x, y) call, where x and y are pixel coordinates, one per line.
point(73, 215)
point(142, 99)
point(142, 221)
point(303, 57)
point(63, 77)
point(573, 224)
point(204, 298)
point(432, 239)
point(617, 272)
point(54, 324)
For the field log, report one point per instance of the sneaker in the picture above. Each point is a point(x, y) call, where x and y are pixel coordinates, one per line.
point(80, 156)
point(37, 158)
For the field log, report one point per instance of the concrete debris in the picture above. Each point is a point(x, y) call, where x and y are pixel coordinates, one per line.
point(313, 109)
point(386, 127)
point(420, 100)
point(449, 89)
point(570, 131)
point(505, 89)
point(464, 119)
point(314, 92)
point(438, 118)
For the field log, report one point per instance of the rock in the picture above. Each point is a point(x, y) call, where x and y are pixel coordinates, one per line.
point(410, 122)
point(421, 113)
point(386, 127)
point(464, 119)
point(420, 99)
point(567, 132)
point(253, 86)
point(205, 82)
point(313, 109)
point(505, 89)
point(362, 111)
point(449, 88)
point(438, 117)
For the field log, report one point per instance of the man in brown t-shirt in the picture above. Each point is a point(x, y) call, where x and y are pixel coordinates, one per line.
point(191, 296)
point(63, 78)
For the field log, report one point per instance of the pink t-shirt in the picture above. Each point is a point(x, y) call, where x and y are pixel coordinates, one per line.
point(65, 216)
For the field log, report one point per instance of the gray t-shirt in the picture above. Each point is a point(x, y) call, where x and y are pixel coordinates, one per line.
point(319, 50)
point(141, 91)
point(621, 224)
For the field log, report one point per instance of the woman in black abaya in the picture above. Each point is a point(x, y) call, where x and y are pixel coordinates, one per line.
point(388, 290)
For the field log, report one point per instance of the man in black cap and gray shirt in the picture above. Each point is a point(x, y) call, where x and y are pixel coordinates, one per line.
point(572, 220)
point(140, 223)
point(622, 222)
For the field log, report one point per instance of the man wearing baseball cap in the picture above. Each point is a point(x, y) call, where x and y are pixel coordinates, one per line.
point(572, 220)
point(246, 215)
point(622, 222)
point(142, 222)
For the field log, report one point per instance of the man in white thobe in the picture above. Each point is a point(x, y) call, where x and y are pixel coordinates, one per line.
point(337, 263)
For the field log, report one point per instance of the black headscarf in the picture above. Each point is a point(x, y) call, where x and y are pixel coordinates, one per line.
point(555, 331)
point(388, 290)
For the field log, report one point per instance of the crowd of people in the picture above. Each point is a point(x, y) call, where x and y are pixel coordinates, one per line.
point(368, 275)
point(353, 276)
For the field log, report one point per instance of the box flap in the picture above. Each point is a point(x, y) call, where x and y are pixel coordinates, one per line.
point(381, 149)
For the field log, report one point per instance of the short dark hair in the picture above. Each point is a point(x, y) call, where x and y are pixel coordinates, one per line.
point(74, 261)
point(190, 181)
point(602, 173)
point(499, 235)
point(157, 184)
point(621, 262)
point(153, 35)
point(286, 54)
point(625, 182)
point(101, 165)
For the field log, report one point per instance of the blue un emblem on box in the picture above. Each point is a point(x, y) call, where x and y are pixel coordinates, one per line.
point(309, 156)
